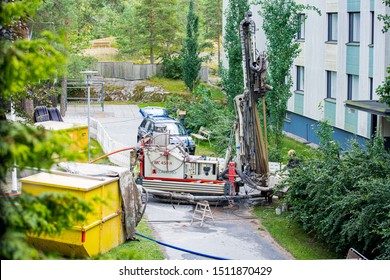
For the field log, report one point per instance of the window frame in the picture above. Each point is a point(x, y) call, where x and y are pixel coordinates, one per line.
point(372, 38)
point(301, 23)
point(330, 27)
point(300, 79)
point(371, 84)
point(350, 93)
point(329, 85)
point(352, 31)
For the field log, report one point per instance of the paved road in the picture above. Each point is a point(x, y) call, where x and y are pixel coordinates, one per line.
point(235, 233)
point(120, 121)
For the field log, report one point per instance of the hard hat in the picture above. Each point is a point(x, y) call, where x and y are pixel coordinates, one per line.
point(291, 153)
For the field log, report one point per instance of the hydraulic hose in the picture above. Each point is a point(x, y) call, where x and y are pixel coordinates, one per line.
point(114, 152)
point(180, 249)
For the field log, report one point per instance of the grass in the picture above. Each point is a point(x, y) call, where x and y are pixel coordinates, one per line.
point(203, 148)
point(302, 150)
point(154, 104)
point(292, 237)
point(142, 249)
point(172, 86)
point(97, 151)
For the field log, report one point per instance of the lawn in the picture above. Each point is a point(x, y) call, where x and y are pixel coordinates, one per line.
point(303, 151)
point(141, 249)
point(172, 86)
point(291, 236)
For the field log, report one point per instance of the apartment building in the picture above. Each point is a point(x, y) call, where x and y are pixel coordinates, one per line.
point(343, 59)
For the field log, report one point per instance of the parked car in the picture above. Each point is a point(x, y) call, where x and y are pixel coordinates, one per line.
point(176, 129)
point(154, 111)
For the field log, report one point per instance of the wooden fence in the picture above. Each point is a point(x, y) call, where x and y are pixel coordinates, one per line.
point(130, 71)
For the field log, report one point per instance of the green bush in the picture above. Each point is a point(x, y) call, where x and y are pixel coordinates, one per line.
point(345, 201)
point(172, 67)
point(202, 110)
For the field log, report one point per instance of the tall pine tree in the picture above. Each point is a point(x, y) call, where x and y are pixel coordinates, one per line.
point(155, 27)
point(191, 60)
point(232, 78)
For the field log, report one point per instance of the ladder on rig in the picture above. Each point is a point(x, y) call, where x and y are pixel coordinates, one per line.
point(202, 212)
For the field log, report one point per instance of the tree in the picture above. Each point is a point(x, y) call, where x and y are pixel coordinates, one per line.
point(211, 12)
point(384, 90)
point(232, 77)
point(75, 19)
point(24, 62)
point(155, 28)
point(190, 52)
point(385, 18)
point(344, 201)
point(281, 23)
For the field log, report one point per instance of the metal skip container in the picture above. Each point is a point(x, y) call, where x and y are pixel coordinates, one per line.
point(104, 228)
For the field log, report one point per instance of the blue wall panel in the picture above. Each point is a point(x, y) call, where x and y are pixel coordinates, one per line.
point(353, 58)
point(330, 111)
point(351, 120)
point(303, 127)
point(353, 6)
point(298, 103)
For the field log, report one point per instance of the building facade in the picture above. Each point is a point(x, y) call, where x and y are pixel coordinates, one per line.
point(344, 56)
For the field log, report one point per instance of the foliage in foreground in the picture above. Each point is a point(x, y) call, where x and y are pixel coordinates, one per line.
point(345, 201)
point(22, 63)
point(28, 146)
point(48, 213)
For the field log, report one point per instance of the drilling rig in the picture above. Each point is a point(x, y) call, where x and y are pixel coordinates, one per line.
point(168, 172)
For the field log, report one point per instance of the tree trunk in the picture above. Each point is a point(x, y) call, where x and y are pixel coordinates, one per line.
point(63, 96)
point(219, 37)
point(151, 41)
point(29, 107)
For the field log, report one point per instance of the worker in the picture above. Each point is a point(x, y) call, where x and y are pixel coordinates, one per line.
point(293, 159)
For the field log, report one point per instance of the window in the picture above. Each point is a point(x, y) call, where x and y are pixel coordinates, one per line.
point(332, 27)
point(354, 27)
point(300, 78)
point(331, 84)
point(301, 23)
point(372, 27)
point(353, 87)
point(371, 88)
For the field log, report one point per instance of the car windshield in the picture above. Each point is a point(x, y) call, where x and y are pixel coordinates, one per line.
point(154, 111)
point(176, 129)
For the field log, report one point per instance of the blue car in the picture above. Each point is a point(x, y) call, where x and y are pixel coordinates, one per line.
point(174, 127)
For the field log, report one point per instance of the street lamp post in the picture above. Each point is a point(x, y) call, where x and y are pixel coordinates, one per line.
point(89, 74)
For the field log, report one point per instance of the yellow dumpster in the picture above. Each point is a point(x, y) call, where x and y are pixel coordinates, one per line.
point(103, 229)
point(77, 133)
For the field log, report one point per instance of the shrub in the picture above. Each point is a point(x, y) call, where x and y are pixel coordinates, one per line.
point(172, 67)
point(345, 201)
